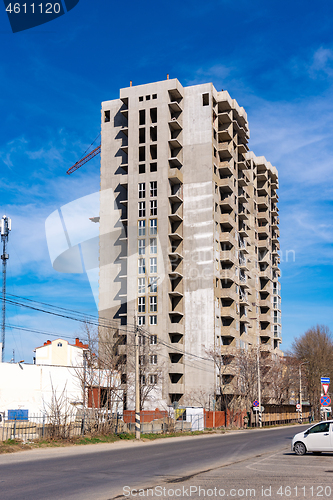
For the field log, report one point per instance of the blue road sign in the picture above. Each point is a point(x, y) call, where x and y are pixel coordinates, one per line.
point(325, 401)
point(256, 403)
point(325, 380)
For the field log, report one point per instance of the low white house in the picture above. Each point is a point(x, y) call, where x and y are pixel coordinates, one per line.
point(56, 377)
point(60, 352)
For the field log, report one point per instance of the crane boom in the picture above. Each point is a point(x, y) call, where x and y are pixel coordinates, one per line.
point(84, 160)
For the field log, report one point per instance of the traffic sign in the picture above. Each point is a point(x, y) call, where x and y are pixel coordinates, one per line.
point(255, 408)
point(326, 408)
point(325, 388)
point(256, 403)
point(325, 380)
point(298, 407)
point(325, 400)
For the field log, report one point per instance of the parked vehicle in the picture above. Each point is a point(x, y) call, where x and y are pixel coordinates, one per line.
point(317, 439)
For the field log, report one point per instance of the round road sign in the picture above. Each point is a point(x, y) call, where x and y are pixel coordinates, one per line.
point(325, 400)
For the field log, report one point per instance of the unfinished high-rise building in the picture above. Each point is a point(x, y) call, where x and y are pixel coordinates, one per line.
point(189, 238)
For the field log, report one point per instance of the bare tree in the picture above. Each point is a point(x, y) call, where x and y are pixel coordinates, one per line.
point(247, 376)
point(199, 397)
point(314, 349)
point(223, 365)
point(100, 377)
point(150, 368)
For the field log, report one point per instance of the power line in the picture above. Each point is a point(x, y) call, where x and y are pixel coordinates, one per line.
point(91, 320)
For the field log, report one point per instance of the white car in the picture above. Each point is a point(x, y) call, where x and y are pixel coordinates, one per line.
point(316, 439)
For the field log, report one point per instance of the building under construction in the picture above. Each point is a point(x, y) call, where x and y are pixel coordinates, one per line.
point(189, 238)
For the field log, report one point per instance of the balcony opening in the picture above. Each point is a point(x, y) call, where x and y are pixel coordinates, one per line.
point(153, 167)
point(176, 378)
point(176, 338)
point(106, 116)
point(176, 357)
point(142, 169)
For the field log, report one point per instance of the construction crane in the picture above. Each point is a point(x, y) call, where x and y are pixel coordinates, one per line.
point(86, 158)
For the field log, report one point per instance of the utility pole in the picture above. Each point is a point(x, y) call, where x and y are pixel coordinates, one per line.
point(300, 393)
point(259, 386)
point(6, 226)
point(137, 383)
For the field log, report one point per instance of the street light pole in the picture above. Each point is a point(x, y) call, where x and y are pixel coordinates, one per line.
point(300, 393)
point(259, 386)
point(300, 390)
point(137, 383)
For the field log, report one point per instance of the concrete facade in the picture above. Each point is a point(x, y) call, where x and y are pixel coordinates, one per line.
point(188, 233)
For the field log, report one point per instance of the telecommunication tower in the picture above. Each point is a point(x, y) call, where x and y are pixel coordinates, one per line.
point(6, 226)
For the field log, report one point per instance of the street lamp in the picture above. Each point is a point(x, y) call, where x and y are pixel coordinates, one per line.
point(300, 389)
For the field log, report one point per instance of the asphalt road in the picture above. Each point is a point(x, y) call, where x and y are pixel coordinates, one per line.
point(103, 471)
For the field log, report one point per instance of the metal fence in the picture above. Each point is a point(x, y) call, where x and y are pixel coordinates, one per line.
point(44, 426)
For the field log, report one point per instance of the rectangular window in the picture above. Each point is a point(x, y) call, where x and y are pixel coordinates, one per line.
point(142, 169)
point(153, 285)
point(153, 167)
point(142, 359)
point(141, 247)
point(142, 340)
point(142, 189)
point(153, 340)
point(153, 133)
point(153, 359)
point(153, 152)
point(141, 320)
point(142, 266)
point(142, 153)
point(142, 116)
point(142, 135)
point(205, 99)
point(153, 245)
point(142, 285)
point(153, 115)
point(143, 379)
point(153, 207)
point(153, 265)
point(142, 209)
point(153, 303)
point(153, 320)
point(153, 379)
point(106, 116)
point(153, 189)
point(141, 304)
point(153, 226)
point(142, 227)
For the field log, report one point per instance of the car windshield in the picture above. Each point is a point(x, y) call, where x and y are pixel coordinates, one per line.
point(323, 427)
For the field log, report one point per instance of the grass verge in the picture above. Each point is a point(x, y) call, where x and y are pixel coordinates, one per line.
point(14, 445)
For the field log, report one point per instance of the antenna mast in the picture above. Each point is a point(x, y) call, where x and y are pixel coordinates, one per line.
point(6, 226)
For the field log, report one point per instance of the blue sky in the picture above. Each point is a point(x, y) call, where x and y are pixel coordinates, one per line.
point(275, 58)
